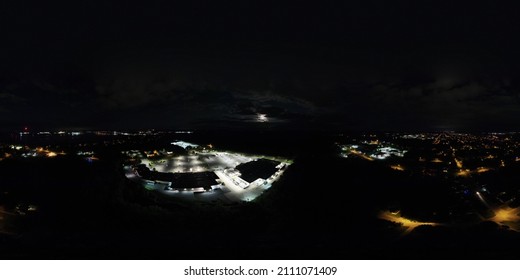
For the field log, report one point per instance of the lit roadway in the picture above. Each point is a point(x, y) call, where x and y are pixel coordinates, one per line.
point(361, 155)
point(404, 222)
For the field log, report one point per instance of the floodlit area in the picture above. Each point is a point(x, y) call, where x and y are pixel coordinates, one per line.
point(184, 145)
point(507, 216)
point(205, 175)
point(502, 214)
point(199, 162)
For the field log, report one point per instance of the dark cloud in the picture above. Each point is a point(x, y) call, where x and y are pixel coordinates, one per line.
point(358, 65)
point(451, 104)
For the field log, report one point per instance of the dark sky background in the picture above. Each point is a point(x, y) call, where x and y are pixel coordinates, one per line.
point(349, 65)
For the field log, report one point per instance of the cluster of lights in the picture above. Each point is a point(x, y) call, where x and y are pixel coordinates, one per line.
point(184, 145)
point(221, 163)
point(494, 151)
point(386, 152)
point(36, 152)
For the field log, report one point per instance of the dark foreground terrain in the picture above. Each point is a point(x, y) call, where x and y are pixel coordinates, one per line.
point(324, 207)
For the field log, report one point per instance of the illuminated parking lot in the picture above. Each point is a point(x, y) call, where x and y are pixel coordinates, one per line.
point(200, 162)
point(222, 181)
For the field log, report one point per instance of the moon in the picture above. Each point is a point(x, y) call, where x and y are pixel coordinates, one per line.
point(262, 118)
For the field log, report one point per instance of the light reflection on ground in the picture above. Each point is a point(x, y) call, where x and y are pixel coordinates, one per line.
point(507, 216)
point(404, 222)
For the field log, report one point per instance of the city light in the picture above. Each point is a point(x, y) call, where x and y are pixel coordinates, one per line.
point(51, 154)
point(397, 167)
point(458, 162)
point(463, 172)
point(483, 169)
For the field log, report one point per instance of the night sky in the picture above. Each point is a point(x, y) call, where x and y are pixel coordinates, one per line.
point(339, 65)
